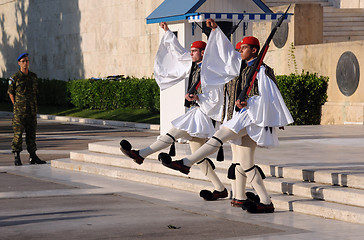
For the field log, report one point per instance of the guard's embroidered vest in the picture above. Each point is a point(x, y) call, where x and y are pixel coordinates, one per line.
point(233, 88)
point(194, 77)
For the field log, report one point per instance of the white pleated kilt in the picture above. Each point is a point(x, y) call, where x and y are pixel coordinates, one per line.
point(195, 123)
point(263, 136)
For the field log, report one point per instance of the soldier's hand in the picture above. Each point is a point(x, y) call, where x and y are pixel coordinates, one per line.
point(191, 97)
point(211, 24)
point(240, 105)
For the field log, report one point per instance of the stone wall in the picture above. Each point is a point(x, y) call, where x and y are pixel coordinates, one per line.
point(70, 39)
point(347, 3)
point(322, 59)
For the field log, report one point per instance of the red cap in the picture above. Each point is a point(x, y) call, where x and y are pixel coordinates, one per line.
point(238, 45)
point(199, 44)
point(250, 41)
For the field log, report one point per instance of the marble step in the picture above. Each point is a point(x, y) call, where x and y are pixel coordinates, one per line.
point(154, 178)
point(289, 203)
point(336, 174)
point(320, 208)
point(286, 185)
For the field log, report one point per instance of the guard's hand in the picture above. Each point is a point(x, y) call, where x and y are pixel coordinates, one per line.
point(191, 97)
point(211, 24)
point(164, 26)
point(240, 105)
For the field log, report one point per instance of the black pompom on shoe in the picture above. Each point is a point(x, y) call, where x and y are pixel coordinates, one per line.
point(125, 147)
point(212, 196)
point(175, 165)
point(260, 208)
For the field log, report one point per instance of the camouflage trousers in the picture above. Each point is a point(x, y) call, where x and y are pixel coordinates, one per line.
point(24, 122)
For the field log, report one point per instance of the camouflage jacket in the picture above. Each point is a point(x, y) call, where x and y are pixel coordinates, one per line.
point(194, 77)
point(24, 88)
point(233, 88)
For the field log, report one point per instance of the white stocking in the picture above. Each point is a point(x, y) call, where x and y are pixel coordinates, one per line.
point(234, 161)
point(246, 152)
point(240, 183)
point(211, 146)
point(205, 166)
point(162, 142)
point(246, 157)
point(256, 181)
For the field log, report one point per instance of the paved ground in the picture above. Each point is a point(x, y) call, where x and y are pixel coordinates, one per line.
point(56, 139)
point(40, 202)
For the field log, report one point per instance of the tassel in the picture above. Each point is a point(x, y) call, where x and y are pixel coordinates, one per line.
point(172, 150)
point(231, 171)
point(220, 154)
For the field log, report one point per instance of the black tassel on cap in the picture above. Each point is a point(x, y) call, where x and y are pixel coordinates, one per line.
point(172, 150)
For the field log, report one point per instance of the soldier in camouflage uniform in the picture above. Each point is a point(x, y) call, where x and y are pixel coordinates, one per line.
point(22, 90)
point(194, 125)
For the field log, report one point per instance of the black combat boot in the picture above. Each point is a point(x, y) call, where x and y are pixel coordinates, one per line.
point(34, 159)
point(17, 160)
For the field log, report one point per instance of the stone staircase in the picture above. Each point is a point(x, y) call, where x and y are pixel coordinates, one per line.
point(340, 25)
point(335, 192)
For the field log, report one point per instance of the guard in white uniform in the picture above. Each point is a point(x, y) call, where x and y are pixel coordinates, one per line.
point(255, 124)
point(173, 64)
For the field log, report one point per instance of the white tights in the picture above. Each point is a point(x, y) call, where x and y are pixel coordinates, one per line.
point(242, 154)
point(195, 143)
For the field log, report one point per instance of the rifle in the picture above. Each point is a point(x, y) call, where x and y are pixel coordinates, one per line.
point(194, 87)
point(258, 62)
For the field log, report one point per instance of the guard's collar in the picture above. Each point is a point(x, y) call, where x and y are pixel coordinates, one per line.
point(251, 62)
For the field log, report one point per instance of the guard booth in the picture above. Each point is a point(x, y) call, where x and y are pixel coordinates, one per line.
point(187, 20)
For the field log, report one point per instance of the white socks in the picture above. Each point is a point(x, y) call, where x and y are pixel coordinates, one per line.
point(205, 150)
point(256, 181)
point(240, 183)
point(162, 142)
point(206, 169)
point(205, 166)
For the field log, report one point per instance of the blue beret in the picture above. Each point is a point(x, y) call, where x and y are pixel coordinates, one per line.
point(23, 55)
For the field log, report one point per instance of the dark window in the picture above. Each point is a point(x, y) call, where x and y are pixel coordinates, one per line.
point(225, 27)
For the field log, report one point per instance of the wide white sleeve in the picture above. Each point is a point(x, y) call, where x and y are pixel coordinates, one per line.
point(172, 62)
point(221, 62)
point(268, 109)
point(211, 103)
